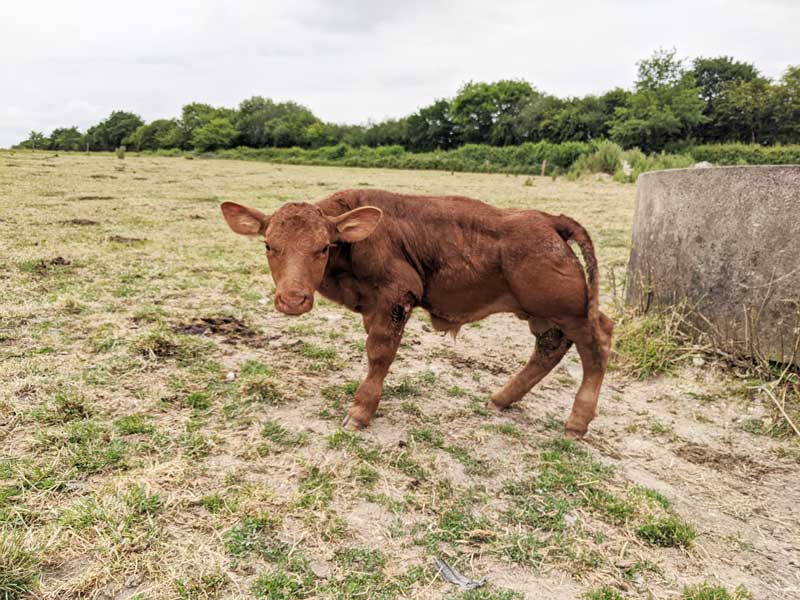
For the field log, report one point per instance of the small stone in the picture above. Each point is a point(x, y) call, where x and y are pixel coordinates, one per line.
point(320, 569)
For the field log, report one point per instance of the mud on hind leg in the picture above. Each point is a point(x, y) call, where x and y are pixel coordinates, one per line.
point(551, 346)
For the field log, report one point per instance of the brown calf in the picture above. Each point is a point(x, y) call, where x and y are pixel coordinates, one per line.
point(382, 254)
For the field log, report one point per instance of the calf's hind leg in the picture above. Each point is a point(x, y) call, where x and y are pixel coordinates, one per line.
point(593, 340)
point(551, 346)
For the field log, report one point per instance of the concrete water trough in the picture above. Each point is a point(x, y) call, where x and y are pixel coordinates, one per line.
point(725, 243)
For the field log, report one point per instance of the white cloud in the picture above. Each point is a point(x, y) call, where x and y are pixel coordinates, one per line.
point(71, 63)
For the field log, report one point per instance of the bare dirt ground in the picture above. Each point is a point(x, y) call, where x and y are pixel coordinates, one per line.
point(165, 433)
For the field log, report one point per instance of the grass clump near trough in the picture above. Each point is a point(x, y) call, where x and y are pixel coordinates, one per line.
point(650, 344)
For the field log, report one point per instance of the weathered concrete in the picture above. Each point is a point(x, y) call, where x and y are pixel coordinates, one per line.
point(727, 242)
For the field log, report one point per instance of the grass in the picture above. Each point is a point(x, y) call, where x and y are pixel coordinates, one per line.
point(211, 464)
point(604, 593)
point(19, 567)
point(651, 344)
point(667, 532)
point(707, 591)
point(315, 488)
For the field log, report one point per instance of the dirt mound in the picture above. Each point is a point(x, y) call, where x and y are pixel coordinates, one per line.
point(738, 464)
point(472, 364)
point(45, 265)
point(121, 239)
point(232, 330)
point(79, 222)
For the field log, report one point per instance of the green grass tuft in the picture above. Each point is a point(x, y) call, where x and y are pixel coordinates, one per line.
point(19, 567)
point(651, 344)
point(603, 593)
point(707, 591)
point(667, 532)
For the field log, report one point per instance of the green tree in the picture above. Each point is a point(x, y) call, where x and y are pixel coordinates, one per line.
point(431, 128)
point(197, 115)
point(320, 134)
point(218, 133)
point(583, 119)
point(666, 106)
point(114, 131)
point(387, 133)
point(66, 139)
point(36, 141)
point(787, 101)
point(717, 78)
point(487, 112)
point(263, 123)
point(534, 118)
point(746, 112)
point(161, 133)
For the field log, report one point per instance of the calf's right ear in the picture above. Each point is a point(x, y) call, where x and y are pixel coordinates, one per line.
point(243, 219)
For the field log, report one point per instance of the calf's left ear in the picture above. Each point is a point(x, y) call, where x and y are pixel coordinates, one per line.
point(357, 224)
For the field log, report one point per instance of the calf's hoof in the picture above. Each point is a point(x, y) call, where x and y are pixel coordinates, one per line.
point(350, 423)
point(574, 434)
point(500, 401)
point(576, 426)
point(496, 407)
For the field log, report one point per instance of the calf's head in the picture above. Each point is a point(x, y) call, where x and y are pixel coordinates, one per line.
point(298, 238)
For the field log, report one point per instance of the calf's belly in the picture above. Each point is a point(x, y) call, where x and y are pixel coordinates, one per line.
point(456, 305)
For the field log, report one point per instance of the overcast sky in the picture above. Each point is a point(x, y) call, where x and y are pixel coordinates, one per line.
point(65, 63)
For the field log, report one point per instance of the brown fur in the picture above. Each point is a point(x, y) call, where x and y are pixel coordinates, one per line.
point(382, 254)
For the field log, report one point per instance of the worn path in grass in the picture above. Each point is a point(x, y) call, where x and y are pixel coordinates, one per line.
point(164, 433)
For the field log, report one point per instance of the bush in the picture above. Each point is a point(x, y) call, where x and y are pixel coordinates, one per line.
point(479, 158)
point(746, 154)
point(576, 158)
point(607, 158)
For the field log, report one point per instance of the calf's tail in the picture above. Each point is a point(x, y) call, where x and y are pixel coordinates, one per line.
point(570, 229)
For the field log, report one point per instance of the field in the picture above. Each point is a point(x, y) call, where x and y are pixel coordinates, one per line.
point(165, 433)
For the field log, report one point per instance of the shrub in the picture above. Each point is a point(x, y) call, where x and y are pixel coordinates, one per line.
point(607, 158)
point(578, 158)
point(746, 154)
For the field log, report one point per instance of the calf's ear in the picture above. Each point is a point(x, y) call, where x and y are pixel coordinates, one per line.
point(357, 224)
point(244, 220)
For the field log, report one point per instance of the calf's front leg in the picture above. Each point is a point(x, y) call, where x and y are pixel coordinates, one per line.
point(385, 330)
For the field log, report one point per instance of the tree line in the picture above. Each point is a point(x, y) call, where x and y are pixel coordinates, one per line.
point(673, 104)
